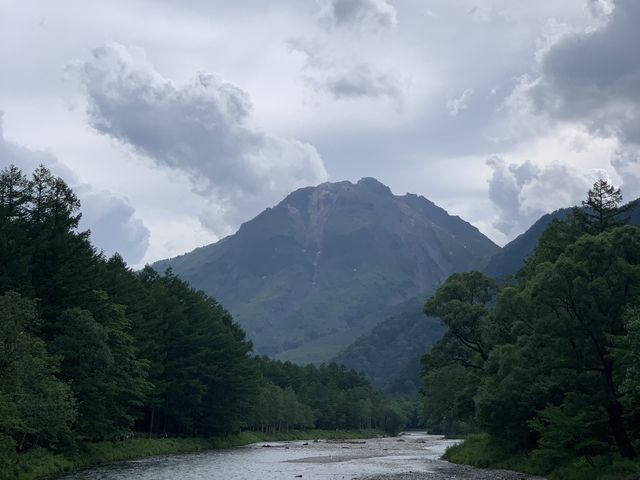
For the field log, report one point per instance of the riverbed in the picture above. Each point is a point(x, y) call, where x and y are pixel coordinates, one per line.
point(411, 456)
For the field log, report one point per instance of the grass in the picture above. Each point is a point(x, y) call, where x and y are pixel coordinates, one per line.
point(39, 462)
point(480, 451)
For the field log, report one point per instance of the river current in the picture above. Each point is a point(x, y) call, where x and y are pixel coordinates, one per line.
point(321, 459)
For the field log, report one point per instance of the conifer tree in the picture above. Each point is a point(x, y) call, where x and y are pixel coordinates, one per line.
point(603, 208)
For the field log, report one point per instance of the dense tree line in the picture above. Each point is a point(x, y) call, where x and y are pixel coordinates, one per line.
point(547, 363)
point(327, 397)
point(92, 350)
point(390, 353)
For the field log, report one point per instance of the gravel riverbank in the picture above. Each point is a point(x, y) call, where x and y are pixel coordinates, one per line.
point(455, 472)
point(431, 448)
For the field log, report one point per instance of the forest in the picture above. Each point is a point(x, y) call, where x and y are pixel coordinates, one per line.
point(544, 367)
point(91, 350)
point(541, 370)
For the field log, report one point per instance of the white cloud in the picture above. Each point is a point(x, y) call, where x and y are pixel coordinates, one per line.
point(202, 128)
point(369, 58)
point(522, 192)
point(626, 161)
point(456, 105)
point(113, 223)
point(110, 217)
point(353, 81)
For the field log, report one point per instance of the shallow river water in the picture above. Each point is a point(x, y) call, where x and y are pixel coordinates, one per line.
point(412, 454)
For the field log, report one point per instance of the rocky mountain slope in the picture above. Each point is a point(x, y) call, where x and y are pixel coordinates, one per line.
point(328, 263)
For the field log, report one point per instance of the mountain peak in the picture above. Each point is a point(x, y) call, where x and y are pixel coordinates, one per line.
point(307, 277)
point(373, 184)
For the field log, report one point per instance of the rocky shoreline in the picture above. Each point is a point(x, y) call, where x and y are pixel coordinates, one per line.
point(455, 472)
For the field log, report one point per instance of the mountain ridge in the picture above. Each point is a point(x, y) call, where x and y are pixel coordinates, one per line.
point(403, 337)
point(512, 256)
point(311, 274)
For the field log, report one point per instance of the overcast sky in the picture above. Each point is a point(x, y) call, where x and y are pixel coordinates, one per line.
point(176, 121)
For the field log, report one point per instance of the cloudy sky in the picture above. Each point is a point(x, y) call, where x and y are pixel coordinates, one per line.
point(176, 121)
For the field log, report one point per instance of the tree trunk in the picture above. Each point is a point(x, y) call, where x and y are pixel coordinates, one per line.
point(625, 447)
point(153, 414)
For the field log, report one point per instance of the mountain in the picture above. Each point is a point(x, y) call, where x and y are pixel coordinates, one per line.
point(512, 256)
point(312, 274)
point(390, 353)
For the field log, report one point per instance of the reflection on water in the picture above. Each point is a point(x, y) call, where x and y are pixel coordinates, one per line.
point(416, 452)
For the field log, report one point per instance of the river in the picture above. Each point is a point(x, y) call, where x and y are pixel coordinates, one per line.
point(413, 455)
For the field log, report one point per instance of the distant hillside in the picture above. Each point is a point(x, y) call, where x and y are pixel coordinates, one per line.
point(511, 258)
point(390, 354)
point(327, 264)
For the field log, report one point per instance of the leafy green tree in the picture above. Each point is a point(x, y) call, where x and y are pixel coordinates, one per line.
point(589, 288)
point(329, 396)
point(601, 211)
point(628, 355)
point(461, 303)
point(555, 357)
point(448, 399)
point(451, 370)
point(35, 407)
point(567, 433)
point(391, 418)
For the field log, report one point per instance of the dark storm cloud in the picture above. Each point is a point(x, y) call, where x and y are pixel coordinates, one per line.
point(201, 128)
point(362, 14)
point(594, 78)
point(111, 219)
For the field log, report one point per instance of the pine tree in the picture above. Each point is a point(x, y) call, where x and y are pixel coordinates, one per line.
point(603, 209)
point(14, 209)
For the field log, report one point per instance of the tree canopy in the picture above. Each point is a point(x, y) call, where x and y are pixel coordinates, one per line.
point(547, 363)
point(92, 350)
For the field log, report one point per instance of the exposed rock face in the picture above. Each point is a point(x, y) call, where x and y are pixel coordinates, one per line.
point(310, 275)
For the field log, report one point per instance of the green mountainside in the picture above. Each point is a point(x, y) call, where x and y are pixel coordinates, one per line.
point(512, 256)
point(327, 264)
point(390, 353)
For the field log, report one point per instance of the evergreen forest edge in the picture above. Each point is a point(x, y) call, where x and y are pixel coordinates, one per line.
point(542, 369)
point(92, 351)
